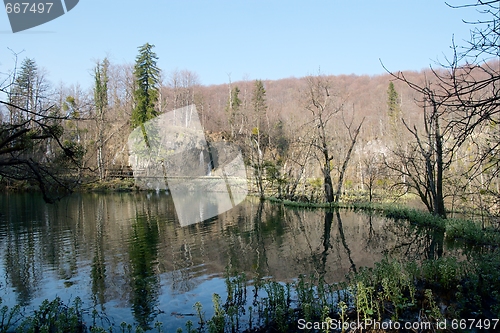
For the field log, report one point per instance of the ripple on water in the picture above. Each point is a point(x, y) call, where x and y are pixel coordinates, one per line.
point(127, 254)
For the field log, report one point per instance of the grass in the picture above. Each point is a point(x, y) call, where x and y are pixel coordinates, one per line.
point(109, 185)
point(461, 230)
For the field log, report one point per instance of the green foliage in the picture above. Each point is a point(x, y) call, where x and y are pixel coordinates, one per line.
point(414, 216)
point(259, 98)
point(233, 105)
point(189, 326)
point(471, 232)
point(236, 287)
point(8, 317)
point(55, 316)
point(364, 301)
point(277, 304)
point(392, 289)
point(101, 87)
point(29, 87)
point(432, 311)
point(200, 314)
point(217, 322)
point(394, 109)
point(387, 287)
point(147, 78)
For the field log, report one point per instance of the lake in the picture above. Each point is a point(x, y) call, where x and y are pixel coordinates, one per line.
point(126, 254)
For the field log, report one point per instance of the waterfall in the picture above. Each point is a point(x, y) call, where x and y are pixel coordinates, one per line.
point(209, 169)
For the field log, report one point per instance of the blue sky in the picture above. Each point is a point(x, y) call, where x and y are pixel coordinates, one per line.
point(248, 39)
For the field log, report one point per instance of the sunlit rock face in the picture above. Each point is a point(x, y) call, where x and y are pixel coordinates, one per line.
point(171, 152)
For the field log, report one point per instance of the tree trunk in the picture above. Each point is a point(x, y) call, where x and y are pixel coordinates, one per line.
point(439, 208)
point(328, 184)
point(346, 162)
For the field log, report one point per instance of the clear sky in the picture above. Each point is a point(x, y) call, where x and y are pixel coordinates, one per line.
point(248, 39)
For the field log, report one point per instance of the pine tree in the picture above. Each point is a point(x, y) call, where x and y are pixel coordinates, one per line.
point(259, 107)
point(259, 98)
point(101, 86)
point(147, 78)
point(235, 101)
point(394, 109)
point(232, 107)
point(28, 90)
point(26, 84)
point(101, 105)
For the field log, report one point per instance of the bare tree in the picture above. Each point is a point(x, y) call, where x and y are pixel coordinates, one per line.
point(183, 85)
point(372, 170)
point(25, 154)
point(326, 105)
point(423, 162)
point(353, 137)
point(323, 104)
point(461, 100)
point(121, 86)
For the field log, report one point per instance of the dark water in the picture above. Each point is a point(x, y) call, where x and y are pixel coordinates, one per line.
point(127, 255)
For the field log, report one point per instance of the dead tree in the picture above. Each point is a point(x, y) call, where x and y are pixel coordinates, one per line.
point(323, 106)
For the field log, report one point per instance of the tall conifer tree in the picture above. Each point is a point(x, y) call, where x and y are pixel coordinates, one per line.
point(101, 105)
point(147, 78)
point(394, 109)
point(259, 98)
point(259, 107)
point(233, 107)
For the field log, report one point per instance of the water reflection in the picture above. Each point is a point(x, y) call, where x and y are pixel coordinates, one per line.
point(414, 242)
point(326, 243)
point(128, 255)
point(143, 252)
point(98, 271)
point(344, 243)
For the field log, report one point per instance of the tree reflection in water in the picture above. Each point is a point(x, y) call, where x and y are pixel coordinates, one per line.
point(137, 258)
point(344, 243)
point(143, 255)
point(414, 242)
point(98, 271)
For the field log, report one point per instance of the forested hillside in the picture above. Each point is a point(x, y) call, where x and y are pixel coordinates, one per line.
point(318, 138)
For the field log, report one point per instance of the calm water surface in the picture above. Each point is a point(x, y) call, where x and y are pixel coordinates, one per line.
point(127, 255)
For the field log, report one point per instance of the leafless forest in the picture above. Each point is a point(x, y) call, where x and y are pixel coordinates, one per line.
point(316, 138)
point(321, 138)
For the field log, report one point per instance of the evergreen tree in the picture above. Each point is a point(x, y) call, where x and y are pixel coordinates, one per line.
point(28, 89)
point(101, 106)
point(259, 107)
point(25, 84)
point(259, 98)
point(394, 109)
point(101, 87)
point(234, 102)
point(147, 78)
point(232, 107)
